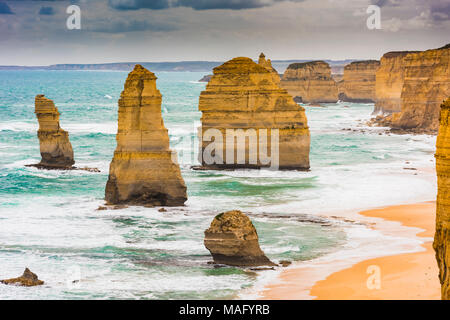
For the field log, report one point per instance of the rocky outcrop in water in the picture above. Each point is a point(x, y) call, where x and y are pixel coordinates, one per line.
point(359, 81)
point(426, 85)
point(442, 237)
point(389, 82)
point(232, 240)
point(310, 82)
point(206, 78)
point(56, 149)
point(27, 279)
point(144, 169)
point(242, 98)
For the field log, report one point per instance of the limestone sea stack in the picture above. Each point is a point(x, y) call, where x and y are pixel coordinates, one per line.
point(389, 82)
point(143, 170)
point(426, 85)
point(267, 64)
point(242, 97)
point(359, 81)
point(310, 82)
point(232, 240)
point(27, 279)
point(56, 149)
point(442, 237)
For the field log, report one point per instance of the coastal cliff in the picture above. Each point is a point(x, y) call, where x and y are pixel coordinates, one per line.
point(243, 97)
point(267, 64)
point(56, 149)
point(389, 82)
point(442, 237)
point(426, 85)
point(359, 81)
point(232, 240)
point(143, 170)
point(310, 82)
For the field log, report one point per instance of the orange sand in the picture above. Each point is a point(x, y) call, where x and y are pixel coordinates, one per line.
point(404, 276)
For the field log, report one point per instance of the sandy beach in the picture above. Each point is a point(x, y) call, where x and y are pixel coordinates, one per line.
point(404, 276)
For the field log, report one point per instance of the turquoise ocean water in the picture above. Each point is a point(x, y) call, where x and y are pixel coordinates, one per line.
point(49, 221)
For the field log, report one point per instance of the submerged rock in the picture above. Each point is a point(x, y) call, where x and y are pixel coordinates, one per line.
point(27, 279)
point(56, 149)
point(144, 169)
point(232, 240)
point(442, 237)
point(310, 82)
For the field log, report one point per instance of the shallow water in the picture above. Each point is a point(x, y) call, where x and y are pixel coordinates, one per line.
point(49, 221)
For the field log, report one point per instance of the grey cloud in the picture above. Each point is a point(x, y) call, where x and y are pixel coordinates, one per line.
point(46, 11)
point(194, 4)
point(5, 9)
point(129, 26)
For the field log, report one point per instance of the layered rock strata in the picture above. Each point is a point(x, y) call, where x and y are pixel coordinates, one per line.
point(27, 279)
point(426, 85)
point(442, 237)
point(359, 81)
point(232, 240)
point(144, 169)
point(310, 82)
point(56, 149)
point(389, 82)
point(270, 129)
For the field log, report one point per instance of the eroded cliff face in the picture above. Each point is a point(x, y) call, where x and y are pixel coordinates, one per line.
point(144, 169)
point(426, 85)
point(359, 81)
point(389, 82)
point(56, 149)
point(232, 240)
point(310, 82)
point(442, 237)
point(242, 98)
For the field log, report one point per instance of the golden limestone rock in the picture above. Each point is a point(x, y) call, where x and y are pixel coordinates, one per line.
point(389, 82)
point(232, 240)
point(310, 82)
point(143, 170)
point(27, 279)
point(442, 237)
point(56, 150)
point(268, 65)
point(248, 121)
point(359, 81)
point(426, 85)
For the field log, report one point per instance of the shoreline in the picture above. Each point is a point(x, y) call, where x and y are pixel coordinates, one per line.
point(402, 276)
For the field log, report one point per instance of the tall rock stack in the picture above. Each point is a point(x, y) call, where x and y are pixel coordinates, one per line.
point(310, 82)
point(389, 82)
point(426, 85)
point(143, 170)
point(243, 95)
point(442, 236)
point(268, 65)
point(359, 81)
point(56, 150)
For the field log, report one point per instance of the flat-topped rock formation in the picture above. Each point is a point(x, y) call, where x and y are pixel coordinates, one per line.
point(267, 64)
point(389, 82)
point(442, 237)
point(359, 81)
point(56, 149)
point(426, 85)
point(310, 82)
point(27, 279)
point(232, 240)
point(143, 170)
point(243, 98)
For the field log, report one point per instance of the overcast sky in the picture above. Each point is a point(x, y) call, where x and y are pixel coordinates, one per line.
point(35, 32)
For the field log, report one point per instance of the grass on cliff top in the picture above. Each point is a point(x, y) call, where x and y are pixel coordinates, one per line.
point(299, 65)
